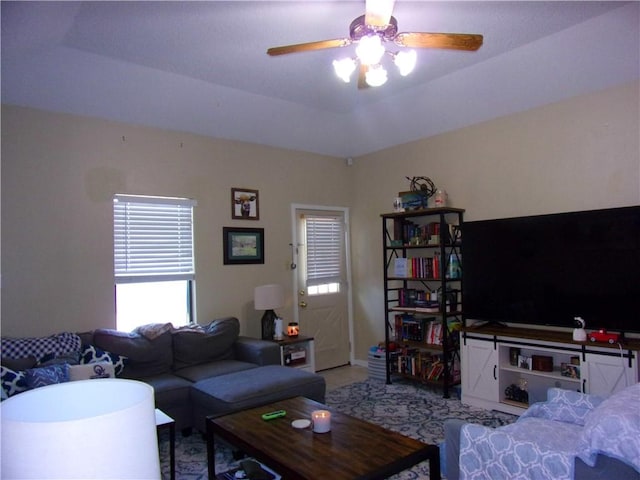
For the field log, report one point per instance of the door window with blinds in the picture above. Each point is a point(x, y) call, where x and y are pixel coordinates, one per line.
point(153, 260)
point(323, 242)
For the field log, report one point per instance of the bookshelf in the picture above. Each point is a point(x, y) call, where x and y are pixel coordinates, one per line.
point(422, 252)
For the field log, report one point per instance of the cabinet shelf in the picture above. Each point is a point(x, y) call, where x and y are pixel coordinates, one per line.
point(554, 374)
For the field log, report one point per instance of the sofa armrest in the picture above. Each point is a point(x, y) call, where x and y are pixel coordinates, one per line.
point(254, 350)
point(451, 447)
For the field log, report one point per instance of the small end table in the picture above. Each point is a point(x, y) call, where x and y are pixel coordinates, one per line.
point(164, 421)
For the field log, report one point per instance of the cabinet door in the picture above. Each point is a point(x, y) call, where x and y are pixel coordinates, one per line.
point(607, 374)
point(480, 370)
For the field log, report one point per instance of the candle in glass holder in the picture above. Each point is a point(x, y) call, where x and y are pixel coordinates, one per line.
point(293, 329)
point(321, 421)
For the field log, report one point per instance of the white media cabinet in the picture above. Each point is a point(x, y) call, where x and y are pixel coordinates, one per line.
point(487, 370)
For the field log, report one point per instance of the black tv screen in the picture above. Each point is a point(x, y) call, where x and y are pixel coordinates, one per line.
point(548, 269)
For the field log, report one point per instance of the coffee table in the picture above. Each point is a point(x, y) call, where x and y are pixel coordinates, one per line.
point(353, 449)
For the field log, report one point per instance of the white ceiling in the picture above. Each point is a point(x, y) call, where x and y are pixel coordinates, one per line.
point(202, 66)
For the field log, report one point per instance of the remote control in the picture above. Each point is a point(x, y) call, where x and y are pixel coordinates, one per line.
point(272, 415)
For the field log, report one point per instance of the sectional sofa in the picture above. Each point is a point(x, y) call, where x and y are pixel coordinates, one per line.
point(195, 371)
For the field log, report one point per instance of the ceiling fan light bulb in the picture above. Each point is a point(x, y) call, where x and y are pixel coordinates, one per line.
point(370, 50)
point(344, 68)
point(405, 61)
point(376, 76)
point(379, 12)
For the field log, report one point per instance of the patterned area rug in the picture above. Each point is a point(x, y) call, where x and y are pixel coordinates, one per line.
point(408, 408)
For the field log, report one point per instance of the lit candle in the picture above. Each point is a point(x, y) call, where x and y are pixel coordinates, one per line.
point(293, 329)
point(321, 421)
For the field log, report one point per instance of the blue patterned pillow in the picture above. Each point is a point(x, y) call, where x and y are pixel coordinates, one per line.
point(43, 376)
point(93, 354)
point(613, 428)
point(12, 381)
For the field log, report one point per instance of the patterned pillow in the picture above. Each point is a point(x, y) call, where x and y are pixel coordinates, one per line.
point(12, 381)
point(613, 428)
point(37, 347)
point(43, 376)
point(93, 354)
point(72, 358)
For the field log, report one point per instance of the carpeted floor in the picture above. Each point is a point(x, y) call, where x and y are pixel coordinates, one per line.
point(408, 408)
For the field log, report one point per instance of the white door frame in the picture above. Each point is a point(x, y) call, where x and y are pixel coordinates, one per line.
point(347, 248)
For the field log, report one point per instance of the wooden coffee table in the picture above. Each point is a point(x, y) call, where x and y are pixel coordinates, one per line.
point(353, 449)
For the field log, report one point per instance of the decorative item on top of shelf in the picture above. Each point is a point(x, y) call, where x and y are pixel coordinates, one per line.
point(440, 198)
point(293, 329)
point(397, 204)
point(421, 189)
point(244, 204)
point(579, 333)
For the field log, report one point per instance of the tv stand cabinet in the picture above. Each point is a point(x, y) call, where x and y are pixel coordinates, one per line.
point(490, 366)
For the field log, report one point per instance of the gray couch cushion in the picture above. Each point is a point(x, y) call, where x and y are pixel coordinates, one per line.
point(257, 386)
point(215, 342)
point(146, 357)
point(195, 373)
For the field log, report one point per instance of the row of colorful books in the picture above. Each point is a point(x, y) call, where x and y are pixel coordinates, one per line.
point(416, 363)
point(427, 330)
point(418, 267)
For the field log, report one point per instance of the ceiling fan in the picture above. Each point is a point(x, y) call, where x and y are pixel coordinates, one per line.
point(371, 31)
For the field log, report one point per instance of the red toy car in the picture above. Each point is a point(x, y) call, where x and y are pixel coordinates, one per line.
point(603, 336)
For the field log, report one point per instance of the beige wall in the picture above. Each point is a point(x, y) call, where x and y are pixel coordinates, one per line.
point(59, 173)
point(578, 154)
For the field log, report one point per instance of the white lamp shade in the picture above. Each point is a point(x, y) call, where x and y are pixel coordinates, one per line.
point(268, 297)
point(90, 429)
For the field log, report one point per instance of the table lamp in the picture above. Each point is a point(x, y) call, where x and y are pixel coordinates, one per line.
point(268, 298)
point(86, 429)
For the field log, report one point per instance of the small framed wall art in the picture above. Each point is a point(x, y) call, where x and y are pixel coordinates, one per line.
point(244, 204)
point(243, 245)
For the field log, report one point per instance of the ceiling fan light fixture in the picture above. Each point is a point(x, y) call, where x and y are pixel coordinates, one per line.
point(405, 60)
point(370, 50)
point(378, 12)
point(376, 76)
point(344, 68)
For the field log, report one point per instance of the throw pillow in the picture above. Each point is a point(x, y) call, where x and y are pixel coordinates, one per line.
point(12, 381)
point(93, 354)
point(43, 376)
point(58, 344)
point(613, 428)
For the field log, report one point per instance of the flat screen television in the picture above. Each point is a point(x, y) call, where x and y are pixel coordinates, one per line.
point(548, 269)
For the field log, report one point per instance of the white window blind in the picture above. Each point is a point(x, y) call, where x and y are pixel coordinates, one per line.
point(153, 238)
point(324, 236)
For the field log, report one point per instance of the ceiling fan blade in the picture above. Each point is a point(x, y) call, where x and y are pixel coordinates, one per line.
point(305, 47)
point(453, 41)
point(362, 82)
point(378, 12)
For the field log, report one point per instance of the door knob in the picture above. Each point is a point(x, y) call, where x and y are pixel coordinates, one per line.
point(301, 293)
point(303, 304)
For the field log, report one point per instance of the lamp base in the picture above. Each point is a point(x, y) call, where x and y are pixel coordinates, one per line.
point(268, 324)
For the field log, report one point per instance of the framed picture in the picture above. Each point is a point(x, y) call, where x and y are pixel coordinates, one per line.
point(243, 245)
point(244, 204)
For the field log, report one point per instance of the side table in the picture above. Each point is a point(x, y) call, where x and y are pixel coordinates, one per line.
point(298, 352)
point(164, 421)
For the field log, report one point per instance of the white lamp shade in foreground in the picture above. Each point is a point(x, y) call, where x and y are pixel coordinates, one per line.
point(93, 429)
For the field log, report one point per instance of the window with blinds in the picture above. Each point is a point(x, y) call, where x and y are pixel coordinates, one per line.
point(154, 265)
point(324, 240)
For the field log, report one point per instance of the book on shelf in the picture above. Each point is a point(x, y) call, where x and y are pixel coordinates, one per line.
point(401, 267)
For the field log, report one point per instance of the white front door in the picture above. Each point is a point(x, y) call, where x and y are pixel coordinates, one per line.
point(321, 282)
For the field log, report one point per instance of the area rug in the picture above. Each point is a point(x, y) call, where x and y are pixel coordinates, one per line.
point(407, 408)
